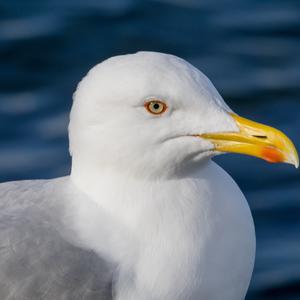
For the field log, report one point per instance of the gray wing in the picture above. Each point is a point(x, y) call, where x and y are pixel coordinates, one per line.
point(36, 261)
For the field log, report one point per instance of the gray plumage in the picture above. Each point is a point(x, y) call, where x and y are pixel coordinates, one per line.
point(39, 259)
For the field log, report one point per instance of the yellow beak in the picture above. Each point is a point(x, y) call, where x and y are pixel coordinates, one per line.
point(257, 140)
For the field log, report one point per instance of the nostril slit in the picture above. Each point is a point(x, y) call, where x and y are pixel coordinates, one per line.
point(260, 136)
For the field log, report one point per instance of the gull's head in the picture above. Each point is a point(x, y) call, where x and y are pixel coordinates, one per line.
point(150, 115)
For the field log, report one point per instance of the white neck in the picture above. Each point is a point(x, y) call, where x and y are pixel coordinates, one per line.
point(97, 182)
point(171, 227)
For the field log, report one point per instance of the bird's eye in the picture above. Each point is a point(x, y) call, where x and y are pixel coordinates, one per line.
point(156, 107)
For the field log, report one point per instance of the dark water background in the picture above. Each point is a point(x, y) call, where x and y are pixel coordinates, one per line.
point(250, 49)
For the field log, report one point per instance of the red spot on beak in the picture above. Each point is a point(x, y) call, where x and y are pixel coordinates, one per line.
point(272, 155)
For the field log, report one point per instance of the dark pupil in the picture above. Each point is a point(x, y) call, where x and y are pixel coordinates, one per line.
point(156, 106)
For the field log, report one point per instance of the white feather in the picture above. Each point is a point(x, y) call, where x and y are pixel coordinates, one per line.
point(181, 227)
point(143, 195)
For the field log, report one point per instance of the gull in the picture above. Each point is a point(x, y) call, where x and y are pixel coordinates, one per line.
point(145, 213)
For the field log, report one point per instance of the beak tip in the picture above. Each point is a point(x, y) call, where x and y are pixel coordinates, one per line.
point(294, 160)
point(296, 164)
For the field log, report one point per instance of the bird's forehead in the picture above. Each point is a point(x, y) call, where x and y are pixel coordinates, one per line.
point(148, 74)
point(146, 69)
point(130, 79)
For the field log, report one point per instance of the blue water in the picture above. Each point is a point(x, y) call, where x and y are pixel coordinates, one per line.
point(250, 50)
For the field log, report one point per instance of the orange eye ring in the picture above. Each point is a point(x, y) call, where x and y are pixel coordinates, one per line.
point(156, 107)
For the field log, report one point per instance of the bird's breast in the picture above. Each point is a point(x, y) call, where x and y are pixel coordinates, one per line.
point(181, 236)
point(191, 234)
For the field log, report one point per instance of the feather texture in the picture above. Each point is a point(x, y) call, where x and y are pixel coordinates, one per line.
point(37, 259)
